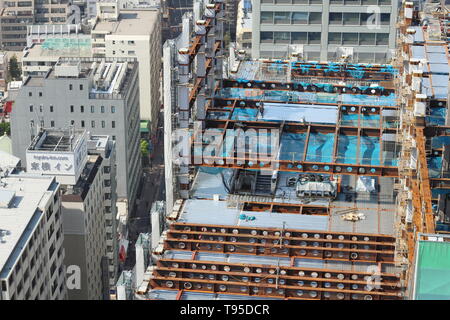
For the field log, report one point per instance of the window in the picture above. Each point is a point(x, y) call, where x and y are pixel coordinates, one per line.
point(382, 38)
point(82, 109)
point(313, 37)
point(113, 109)
point(30, 94)
point(131, 42)
point(315, 17)
point(81, 87)
point(349, 38)
point(70, 86)
point(41, 108)
point(82, 123)
point(299, 37)
point(52, 124)
point(92, 109)
point(351, 19)
point(266, 37)
point(131, 52)
point(40, 94)
point(113, 124)
point(282, 37)
point(72, 122)
point(282, 17)
point(42, 124)
point(102, 109)
point(114, 138)
point(385, 18)
point(31, 108)
point(335, 18)
point(300, 17)
point(267, 17)
point(334, 38)
point(51, 108)
point(103, 123)
point(71, 108)
point(367, 39)
point(114, 52)
point(93, 124)
point(31, 123)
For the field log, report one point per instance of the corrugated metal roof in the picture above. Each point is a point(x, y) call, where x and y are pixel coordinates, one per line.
point(297, 112)
point(217, 212)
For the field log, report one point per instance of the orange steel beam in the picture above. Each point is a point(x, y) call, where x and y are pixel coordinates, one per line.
point(251, 103)
point(263, 270)
point(316, 234)
point(255, 163)
point(293, 86)
point(424, 186)
point(260, 289)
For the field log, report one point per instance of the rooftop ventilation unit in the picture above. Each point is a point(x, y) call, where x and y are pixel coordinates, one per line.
point(68, 69)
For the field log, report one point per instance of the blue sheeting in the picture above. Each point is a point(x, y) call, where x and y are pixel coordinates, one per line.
point(370, 150)
point(346, 152)
point(434, 166)
point(292, 146)
point(244, 114)
point(368, 100)
point(320, 147)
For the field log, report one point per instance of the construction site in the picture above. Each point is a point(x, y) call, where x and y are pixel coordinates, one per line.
point(342, 191)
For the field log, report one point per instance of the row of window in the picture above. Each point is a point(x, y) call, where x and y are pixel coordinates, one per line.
point(72, 122)
point(353, 38)
point(352, 18)
point(345, 38)
point(290, 37)
point(336, 18)
point(339, 2)
point(102, 109)
point(269, 17)
point(72, 109)
point(366, 57)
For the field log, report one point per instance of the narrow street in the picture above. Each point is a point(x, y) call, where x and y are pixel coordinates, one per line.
point(152, 189)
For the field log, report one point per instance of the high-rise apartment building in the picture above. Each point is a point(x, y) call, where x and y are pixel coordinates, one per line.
point(319, 27)
point(84, 166)
point(15, 15)
point(98, 95)
point(133, 34)
point(31, 238)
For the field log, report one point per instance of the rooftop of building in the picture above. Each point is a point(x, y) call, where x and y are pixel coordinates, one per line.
point(432, 274)
point(8, 161)
point(52, 140)
point(130, 22)
point(23, 198)
point(110, 76)
point(59, 47)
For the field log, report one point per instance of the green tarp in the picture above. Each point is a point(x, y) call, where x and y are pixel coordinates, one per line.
point(433, 271)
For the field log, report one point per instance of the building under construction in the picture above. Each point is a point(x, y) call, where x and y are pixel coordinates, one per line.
point(340, 190)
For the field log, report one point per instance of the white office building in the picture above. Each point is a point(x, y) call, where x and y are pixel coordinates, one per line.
point(31, 238)
point(84, 166)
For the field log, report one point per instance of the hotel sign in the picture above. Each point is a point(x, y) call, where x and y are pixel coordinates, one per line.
point(51, 164)
point(59, 163)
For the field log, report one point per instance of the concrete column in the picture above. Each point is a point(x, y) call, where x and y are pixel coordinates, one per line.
point(325, 30)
